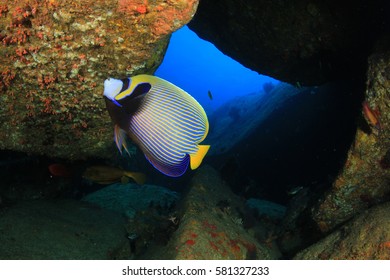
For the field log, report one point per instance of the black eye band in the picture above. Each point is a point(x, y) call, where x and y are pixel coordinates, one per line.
point(126, 83)
point(131, 103)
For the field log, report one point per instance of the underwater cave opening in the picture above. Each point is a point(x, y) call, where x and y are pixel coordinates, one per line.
point(262, 143)
point(211, 77)
point(267, 137)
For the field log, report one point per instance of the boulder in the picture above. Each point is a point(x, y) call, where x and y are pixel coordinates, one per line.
point(211, 225)
point(365, 237)
point(55, 56)
point(128, 199)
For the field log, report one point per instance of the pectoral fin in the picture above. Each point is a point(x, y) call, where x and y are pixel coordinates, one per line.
point(196, 159)
point(120, 139)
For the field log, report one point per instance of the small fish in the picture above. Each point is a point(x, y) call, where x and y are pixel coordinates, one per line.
point(385, 245)
point(164, 121)
point(59, 170)
point(210, 95)
point(105, 175)
point(372, 116)
point(294, 190)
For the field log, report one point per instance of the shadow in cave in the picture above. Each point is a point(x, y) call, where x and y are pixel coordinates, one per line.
point(304, 143)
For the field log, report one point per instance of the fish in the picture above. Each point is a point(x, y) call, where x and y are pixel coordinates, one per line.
point(385, 245)
point(164, 121)
point(59, 170)
point(105, 175)
point(210, 95)
point(294, 190)
point(371, 115)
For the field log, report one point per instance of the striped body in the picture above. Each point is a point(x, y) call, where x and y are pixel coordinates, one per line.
point(167, 124)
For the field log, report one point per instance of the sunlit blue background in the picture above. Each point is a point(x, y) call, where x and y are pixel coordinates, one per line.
point(197, 66)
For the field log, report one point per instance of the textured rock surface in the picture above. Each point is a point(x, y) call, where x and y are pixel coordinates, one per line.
point(55, 56)
point(211, 226)
point(366, 237)
point(305, 41)
point(61, 229)
point(365, 177)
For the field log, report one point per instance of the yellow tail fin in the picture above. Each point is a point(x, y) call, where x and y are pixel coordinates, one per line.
point(138, 177)
point(196, 159)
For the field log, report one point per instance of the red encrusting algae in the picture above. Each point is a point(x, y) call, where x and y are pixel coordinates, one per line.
point(190, 242)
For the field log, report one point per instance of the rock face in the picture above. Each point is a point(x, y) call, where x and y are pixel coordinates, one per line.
point(362, 182)
point(303, 41)
point(366, 237)
point(365, 177)
point(55, 56)
point(312, 42)
point(212, 227)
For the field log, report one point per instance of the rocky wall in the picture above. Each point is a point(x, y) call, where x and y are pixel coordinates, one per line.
point(304, 42)
point(365, 177)
point(55, 56)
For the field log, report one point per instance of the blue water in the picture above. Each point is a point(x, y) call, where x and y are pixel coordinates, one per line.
point(197, 66)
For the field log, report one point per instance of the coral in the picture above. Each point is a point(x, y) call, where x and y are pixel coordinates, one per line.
point(6, 78)
point(132, 6)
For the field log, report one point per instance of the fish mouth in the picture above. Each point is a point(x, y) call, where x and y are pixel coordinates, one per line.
point(107, 99)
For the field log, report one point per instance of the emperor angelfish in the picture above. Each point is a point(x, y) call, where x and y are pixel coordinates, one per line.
point(164, 121)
